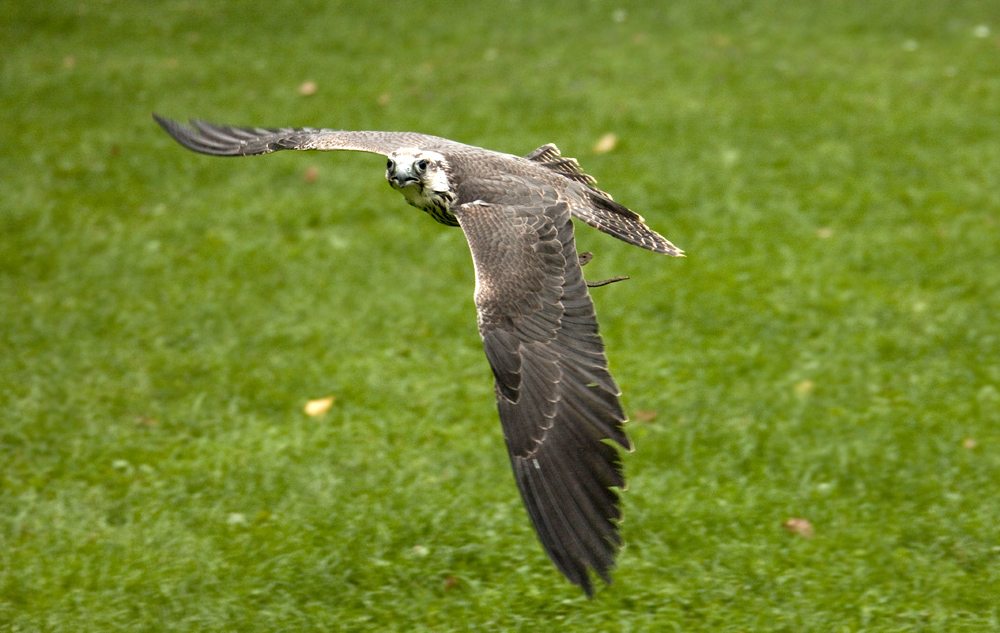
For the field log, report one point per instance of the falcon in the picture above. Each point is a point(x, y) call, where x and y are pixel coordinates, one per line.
point(558, 403)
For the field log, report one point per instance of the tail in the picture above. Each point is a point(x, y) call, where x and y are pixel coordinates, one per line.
point(604, 214)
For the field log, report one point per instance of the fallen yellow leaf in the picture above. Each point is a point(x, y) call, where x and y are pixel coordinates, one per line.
point(318, 407)
point(606, 143)
point(804, 387)
point(307, 88)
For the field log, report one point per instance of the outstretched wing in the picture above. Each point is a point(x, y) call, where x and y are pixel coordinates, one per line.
point(558, 403)
point(224, 140)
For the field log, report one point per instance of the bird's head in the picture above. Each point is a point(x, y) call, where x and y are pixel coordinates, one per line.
point(417, 172)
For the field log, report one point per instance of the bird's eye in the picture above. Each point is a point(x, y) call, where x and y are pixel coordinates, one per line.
point(422, 164)
point(390, 165)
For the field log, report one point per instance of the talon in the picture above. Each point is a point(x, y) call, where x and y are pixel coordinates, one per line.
point(595, 284)
point(584, 260)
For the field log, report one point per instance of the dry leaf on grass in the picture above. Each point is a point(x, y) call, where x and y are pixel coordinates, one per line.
point(802, 527)
point(606, 143)
point(318, 407)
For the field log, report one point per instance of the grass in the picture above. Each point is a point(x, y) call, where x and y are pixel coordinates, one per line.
point(828, 350)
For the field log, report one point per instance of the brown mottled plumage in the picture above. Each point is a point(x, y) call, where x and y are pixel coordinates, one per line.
point(557, 400)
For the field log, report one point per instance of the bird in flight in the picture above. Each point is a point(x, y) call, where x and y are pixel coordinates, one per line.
point(557, 401)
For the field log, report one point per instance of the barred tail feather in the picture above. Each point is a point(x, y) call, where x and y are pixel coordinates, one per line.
point(619, 221)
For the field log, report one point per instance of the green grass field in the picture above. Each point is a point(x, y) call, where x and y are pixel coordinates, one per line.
point(829, 350)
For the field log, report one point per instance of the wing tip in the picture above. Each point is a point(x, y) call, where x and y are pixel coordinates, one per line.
point(192, 136)
point(170, 126)
point(566, 528)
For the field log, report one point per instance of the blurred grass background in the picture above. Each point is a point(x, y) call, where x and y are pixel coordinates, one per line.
point(827, 351)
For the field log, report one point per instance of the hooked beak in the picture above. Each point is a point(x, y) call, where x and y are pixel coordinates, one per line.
point(401, 179)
